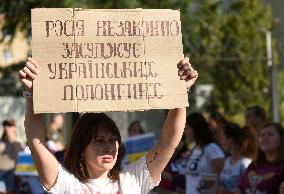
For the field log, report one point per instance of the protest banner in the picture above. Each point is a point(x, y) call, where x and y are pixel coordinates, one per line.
point(94, 60)
point(137, 146)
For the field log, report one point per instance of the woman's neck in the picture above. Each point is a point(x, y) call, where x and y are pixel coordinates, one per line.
point(97, 173)
point(270, 156)
point(235, 155)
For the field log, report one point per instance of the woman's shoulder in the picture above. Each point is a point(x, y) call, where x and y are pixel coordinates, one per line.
point(138, 164)
point(212, 146)
point(245, 160)
point(214, 151)
point(17, 144)
point(137, 175)
point(252, 166)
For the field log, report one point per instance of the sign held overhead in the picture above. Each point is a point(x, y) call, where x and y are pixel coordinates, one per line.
point(107, 60)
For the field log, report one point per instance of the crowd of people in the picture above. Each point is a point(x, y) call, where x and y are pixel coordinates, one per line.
point(221, 157)
point(11, 147)
point(194, 155)
point(215, 156)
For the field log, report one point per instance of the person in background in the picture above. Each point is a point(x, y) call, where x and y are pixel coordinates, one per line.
point(255, 117)
point(216, 124)
point(241, 144)
point(135, 128)
point(9, 149)
point(178, 179)
point(265, 175)
point(206, 160)
point(54, 133)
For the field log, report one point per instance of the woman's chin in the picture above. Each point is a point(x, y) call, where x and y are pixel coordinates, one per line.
point(107, 166)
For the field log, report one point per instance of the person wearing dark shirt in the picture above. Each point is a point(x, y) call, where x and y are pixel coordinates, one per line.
point(266, 173)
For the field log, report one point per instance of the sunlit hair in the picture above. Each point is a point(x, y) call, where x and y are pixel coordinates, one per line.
point(201, 131)
point(260, 157)
point(85, 130)
point(244, 138)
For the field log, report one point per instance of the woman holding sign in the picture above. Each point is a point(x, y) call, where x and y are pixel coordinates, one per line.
point(94, 156)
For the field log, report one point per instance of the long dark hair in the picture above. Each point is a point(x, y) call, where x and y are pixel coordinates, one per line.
point(245, 138)
point(218, 118)
point(260, 157)
point(201, 131)
point(85, 130)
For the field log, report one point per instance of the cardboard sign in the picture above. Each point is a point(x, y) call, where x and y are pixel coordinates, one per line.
point(107, 60)
point(137, 146)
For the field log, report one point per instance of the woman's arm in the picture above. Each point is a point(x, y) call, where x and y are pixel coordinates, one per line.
point(45, 162)
point(217, 166)
point(158, 157)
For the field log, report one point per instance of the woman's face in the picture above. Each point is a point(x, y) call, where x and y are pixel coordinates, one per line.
point(269, 140)
point(250, 118)
point(135, 130)
point(101, 154)
point(213, 125)
point(189, 133)
point(226, 143)
point(11, 132)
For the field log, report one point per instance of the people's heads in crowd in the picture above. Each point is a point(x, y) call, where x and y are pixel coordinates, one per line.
point(94, 136)
point(216, 123)
point(235, 139)
point(182, 149)
point(54, 133)
point(136, 128)
point(197, 129)
point(9, 130)
point(57, 121)
point(255, 117)
point(271, 143)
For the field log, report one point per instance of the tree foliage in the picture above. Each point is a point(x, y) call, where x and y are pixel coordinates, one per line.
point(224, 39)
point(241, 75)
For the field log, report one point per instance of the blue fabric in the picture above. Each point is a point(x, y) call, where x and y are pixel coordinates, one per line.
point(8, 178)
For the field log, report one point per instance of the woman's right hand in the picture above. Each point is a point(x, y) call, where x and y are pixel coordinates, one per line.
point(29, 73)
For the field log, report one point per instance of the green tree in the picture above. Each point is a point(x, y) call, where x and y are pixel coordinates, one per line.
point(280, 90)
point(241, 75)
point(223, 38)
point(202, 35)
point(17, 14)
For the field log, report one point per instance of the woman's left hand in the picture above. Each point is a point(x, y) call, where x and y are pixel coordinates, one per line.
point(186, 72)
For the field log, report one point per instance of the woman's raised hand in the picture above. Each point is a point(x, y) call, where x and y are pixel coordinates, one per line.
point(29, 73)
point(186, 72)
